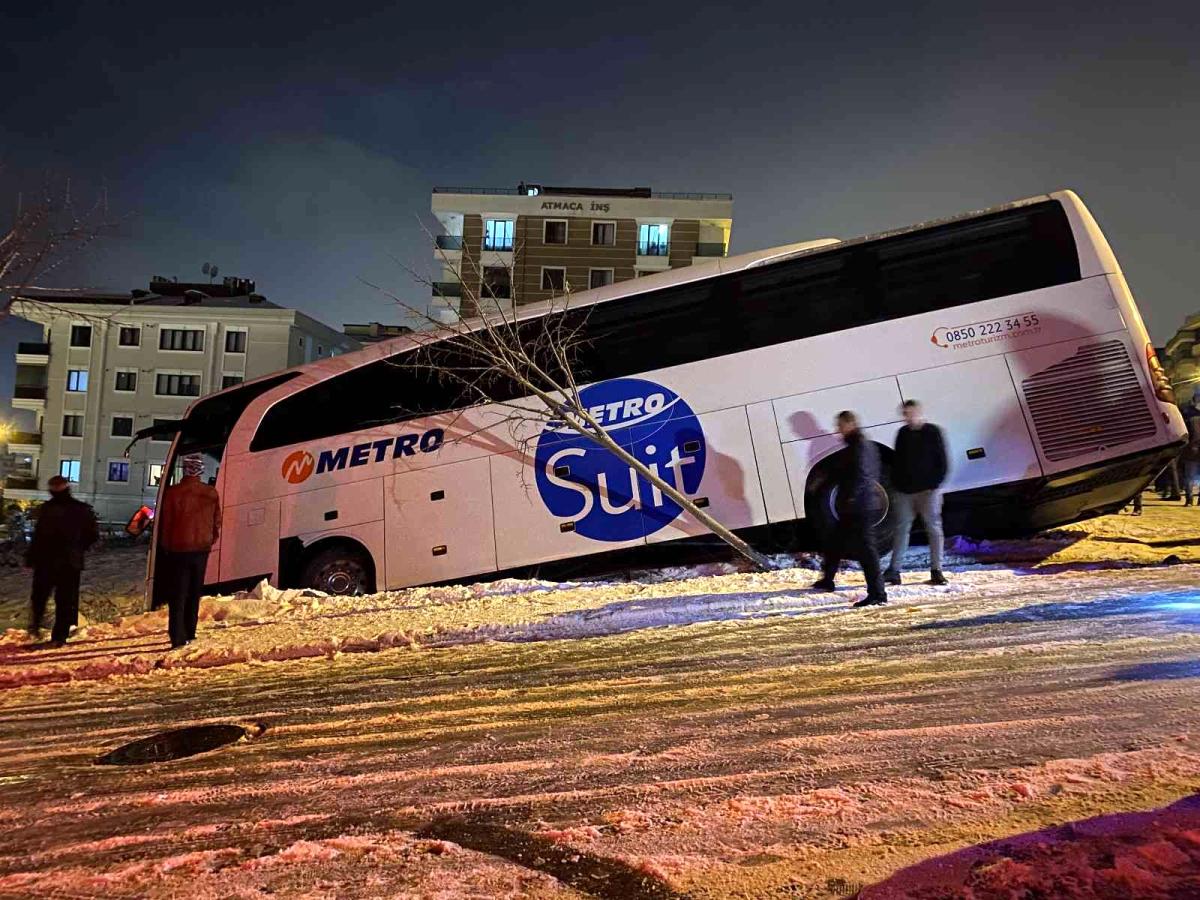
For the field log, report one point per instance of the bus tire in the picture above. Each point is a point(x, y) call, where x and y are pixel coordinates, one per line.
point(820, 507)
point(344, 569)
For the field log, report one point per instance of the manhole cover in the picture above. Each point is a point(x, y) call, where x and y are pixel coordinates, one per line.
point(177, 744)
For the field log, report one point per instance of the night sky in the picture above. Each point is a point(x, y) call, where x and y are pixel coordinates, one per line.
point(297, 143)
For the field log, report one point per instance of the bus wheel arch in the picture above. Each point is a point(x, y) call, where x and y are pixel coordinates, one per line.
point(820, 497)
point(336, 565)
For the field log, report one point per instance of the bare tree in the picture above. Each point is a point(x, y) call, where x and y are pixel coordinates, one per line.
point(525, 366)
point(45, 229)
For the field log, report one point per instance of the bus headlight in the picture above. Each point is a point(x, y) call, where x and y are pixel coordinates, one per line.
point(1158, 377)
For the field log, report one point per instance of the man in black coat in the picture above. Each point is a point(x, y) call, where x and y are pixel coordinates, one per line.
point(65, 528)
point(858, 509)
point(918, 470)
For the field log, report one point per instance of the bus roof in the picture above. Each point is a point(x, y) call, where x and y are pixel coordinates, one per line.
point(311, 373)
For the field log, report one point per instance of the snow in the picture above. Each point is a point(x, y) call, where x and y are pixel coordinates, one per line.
point(702, 731)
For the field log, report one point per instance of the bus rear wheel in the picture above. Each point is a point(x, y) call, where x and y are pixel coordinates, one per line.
point(343, 570)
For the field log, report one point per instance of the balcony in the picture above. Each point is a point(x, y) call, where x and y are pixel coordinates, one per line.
point(714, 249)
point(20, 483)
point(33, 354)
point(447, 288)
point(25, 443)
point(449, 242)
point(29, 396)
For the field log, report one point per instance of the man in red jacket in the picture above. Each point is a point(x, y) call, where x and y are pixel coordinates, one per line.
point(188, 523)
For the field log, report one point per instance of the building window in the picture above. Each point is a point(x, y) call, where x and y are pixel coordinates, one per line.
point(604, 233)
point(228, 381)
point(130, 336)
point(654, 240)
point(554, 278)
point(122, 426)
point(496, 283)
point(126, 380)
point(72, 426)
point(77, 380)
point(498, 234)
point(181, 339)
point(320, 349)
point(154, 473)
point(554, 231)
point(600, 277)
point(175, 385)
point(235, 342)
point(81, 335)
point(118, 471)
point(69, 469)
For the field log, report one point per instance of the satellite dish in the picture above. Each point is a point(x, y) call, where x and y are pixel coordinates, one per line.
point(204, 268)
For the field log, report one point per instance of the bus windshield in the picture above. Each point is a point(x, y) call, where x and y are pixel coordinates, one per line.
point(207, 427)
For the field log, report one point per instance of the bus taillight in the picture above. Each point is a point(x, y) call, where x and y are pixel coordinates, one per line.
point(1158, 377)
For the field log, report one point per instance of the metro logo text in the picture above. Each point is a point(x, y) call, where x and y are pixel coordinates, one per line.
point(298, 466)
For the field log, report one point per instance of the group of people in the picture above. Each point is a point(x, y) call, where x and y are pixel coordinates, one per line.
point(919, 467)
point(188, 523)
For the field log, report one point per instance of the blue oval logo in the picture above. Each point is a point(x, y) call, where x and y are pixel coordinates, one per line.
point(606, 499)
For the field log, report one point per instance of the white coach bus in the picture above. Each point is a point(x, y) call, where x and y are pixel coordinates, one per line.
point(1014, 326)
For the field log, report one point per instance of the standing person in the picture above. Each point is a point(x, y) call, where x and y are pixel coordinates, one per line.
point(918, 470)
point(858, 508)
point(65, 528)
point(1190, 458)
point(189, 523)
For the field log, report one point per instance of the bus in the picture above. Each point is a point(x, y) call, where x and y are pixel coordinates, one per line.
point(1014, 326)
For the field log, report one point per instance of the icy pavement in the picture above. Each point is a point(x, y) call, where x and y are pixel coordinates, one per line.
point(722, 734)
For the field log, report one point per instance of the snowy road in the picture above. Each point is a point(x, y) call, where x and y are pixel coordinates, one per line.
point(722, 736)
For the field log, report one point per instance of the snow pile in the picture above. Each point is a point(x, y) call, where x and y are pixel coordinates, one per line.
point(1151, 856)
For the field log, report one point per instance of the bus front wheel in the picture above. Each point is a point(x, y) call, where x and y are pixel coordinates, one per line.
point(344, 570)
point(821, 508)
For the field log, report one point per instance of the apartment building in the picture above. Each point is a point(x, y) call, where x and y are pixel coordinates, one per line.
point(533, 242)
point(109, 365)
point(1181, 360)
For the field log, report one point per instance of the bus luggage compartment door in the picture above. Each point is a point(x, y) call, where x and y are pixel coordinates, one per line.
point(438, 523)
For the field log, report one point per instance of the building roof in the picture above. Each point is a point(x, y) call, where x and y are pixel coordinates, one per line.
point(63, 296)
point(545, 190)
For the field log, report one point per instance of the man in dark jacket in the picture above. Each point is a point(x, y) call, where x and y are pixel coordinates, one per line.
point(858, 508)
point(65, 529)
point(189, 523)
point(918, 470)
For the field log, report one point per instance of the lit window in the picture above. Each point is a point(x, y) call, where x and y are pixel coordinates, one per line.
point(654, 240)
point(154, 473)
point(77, 380)
point(69, 469)
point(600, 278)
point(555, 231)
point(498, 234)
point(118, 470)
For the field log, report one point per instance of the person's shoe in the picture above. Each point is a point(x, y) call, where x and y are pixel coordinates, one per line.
point(823, 584)
point(869, 601)
point(936, 577)
point(56, 643)
point(175, 645)
point(35, 633)
point(890, 577)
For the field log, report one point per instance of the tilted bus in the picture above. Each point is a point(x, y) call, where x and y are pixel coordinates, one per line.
point(1014, 326)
